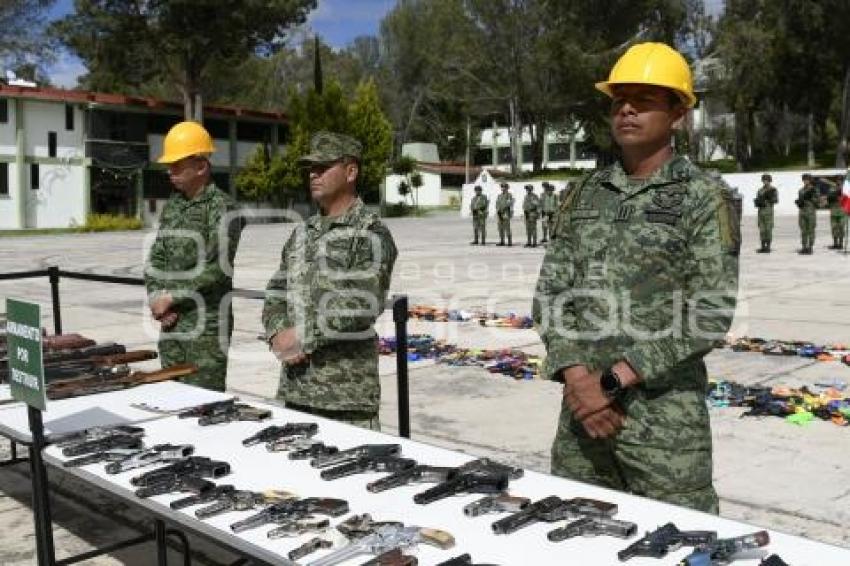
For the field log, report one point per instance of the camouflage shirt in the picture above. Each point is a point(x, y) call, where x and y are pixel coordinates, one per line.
point(479, 205)
point(531, 204)
point(505, 204)
point(646, 272)
point(208, 228)
point(766, 197)
point(549, 202)
point(331, 287)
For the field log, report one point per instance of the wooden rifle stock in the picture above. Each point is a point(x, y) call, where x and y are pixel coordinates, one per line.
point(87, 385)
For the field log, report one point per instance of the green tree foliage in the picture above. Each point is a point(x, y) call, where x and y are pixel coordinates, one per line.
point(369, 125)
point(131, 43)
point(24, 47)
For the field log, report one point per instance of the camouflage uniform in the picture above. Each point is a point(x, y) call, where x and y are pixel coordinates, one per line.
point(331, 286)
point(479, 207)
point(807, 203)
point(765, 199)
point(548, 205)
point(173, 254)
point(837, 219)
point(531, 209)
point(650, 247)
point(504, 213)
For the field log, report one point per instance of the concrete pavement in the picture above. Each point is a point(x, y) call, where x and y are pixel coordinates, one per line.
point(766, 471)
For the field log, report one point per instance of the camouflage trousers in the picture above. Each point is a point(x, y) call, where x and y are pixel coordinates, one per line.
point(808, 223)
point(838, 223)
point(531, 229)
point(547, 223)
point(363, 419)
point(674, 474)
point(479, 227)
point(505, 228)
point(204, 351)
point(765, 222)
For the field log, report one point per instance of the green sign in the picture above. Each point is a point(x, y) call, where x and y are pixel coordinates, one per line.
point(26, 369)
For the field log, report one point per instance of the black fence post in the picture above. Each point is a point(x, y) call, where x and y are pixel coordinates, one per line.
point(53, 274)
point(40, 496)
point(400, 317)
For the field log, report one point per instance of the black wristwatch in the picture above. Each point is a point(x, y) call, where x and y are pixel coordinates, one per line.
point(610, 383)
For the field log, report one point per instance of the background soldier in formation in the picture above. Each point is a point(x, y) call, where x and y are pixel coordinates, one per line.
point(807, 202)
point(837, 218)
point(657, 233)
point(504, 214)
point(198, 224)
point(531, 210)
point(479, 208)
point(548, 205)
point(332, 284)
point(766, 198)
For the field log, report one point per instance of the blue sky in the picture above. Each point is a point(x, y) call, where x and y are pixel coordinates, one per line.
point(338, 22)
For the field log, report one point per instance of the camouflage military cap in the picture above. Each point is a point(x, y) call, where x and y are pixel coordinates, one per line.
point(766, 177)
point(529, 187)
point(327, 147)
point(504, 185)
point(477, 188)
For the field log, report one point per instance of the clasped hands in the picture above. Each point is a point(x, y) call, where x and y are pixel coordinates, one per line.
point(286, 347)
point(583, 395)
point(162, 310)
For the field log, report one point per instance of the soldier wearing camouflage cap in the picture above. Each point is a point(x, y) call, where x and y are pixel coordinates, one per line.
point(189, 269)
point(531, 210)
point(766, 198)
point(548, 206)
point(322, 303)
point(504, 213)
point(478, 207)
point(639, 284)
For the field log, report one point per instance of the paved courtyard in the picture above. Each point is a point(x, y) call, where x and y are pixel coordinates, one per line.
point(794, 479)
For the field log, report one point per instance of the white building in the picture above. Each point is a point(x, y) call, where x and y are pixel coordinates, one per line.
point(561, 150)
point(65, 154)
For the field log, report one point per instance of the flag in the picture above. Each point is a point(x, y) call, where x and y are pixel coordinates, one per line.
point(845, 193)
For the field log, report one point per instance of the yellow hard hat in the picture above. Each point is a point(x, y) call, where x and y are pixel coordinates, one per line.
point(653, 64)
point(185, 140)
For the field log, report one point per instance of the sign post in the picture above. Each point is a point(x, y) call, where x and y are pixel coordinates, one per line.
point(26, 380)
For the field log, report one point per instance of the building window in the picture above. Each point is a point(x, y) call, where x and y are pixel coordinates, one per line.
point(69, 117)
point(4, 179)
point(51, 144)
point(34, 175)
point(4, 110)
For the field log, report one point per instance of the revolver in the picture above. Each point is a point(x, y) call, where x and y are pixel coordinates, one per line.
point(241, 500)
point(368, 464)
point(358, 526)
point(477, 476)
point(500, 503)
point(200, 466)
point(592, 527)
point(387, 538)
point(289, 431)
point(657, 543)
point(551, 509)
point(416, 474)
point(153, 455)
point(343, 456)
point(298, 527)
point(292, 509)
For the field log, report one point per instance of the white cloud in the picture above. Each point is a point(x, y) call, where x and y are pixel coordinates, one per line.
point(65, 72)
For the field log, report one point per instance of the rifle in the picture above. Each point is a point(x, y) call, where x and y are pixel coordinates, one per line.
point(551, 509)
point(59, 356)
point(293, 509)
point(721, 551)
point(593, 527)
point(478, 476)
point(416, 474)
point(657, 543)
point(387, 538)
point(98, 365)
point(88, 385)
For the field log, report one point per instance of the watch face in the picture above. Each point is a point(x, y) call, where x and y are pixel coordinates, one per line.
point(609, 382)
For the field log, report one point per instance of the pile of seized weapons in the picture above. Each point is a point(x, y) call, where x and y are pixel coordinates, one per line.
point(822, 353)
point(75, 365)
point(437, 314)
point(796, 405)
point(188, 477)
point(507, 361)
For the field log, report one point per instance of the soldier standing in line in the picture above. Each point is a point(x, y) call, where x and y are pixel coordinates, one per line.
point(504, 214)
point(479, 208)
point(655, 240)
point(531, 210)
point(322, 303)
point(189, 270)
point(807, 202)
point(766, 197)
point(837, 218)
point(548, 206)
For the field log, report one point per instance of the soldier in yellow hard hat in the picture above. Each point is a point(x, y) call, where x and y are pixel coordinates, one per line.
point(189, 270)
point(638, 285)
